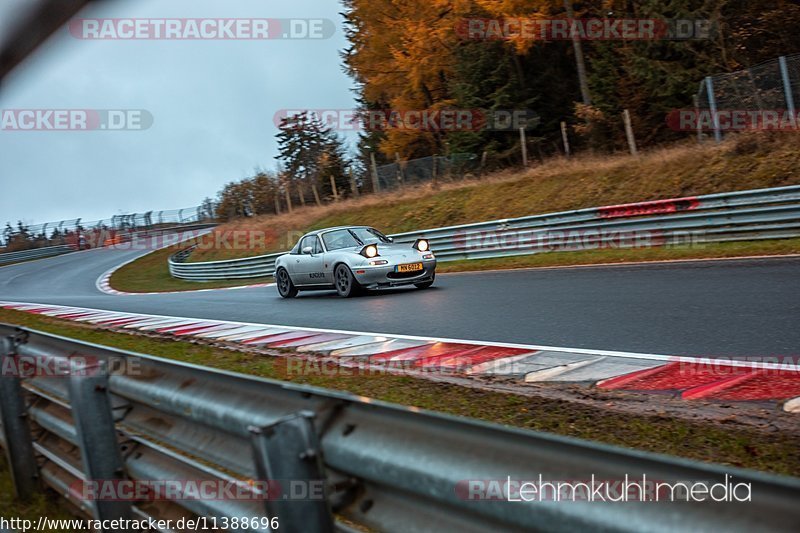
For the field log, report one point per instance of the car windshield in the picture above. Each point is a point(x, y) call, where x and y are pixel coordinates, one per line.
point(341, 238)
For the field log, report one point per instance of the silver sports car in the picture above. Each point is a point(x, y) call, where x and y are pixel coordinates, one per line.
point(352, 259)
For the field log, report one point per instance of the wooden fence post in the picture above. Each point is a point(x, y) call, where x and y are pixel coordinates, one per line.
point(626, 117)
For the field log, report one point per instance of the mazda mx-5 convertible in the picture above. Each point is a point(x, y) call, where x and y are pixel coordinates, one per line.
point(353, 259)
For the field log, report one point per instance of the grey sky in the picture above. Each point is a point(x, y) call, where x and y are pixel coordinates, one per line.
point(213, 103)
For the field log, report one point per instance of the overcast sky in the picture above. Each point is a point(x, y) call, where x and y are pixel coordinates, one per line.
point(213, 104)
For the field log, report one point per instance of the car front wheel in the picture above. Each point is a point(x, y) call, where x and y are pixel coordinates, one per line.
point(346, 284)
point(285, 286)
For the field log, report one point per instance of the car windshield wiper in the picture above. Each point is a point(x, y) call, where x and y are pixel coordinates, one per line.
point(380, 236)
point(359, 241)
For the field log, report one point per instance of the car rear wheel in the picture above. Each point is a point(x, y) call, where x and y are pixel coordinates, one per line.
point(425, 284)
point(346, 284)
point(285, 286)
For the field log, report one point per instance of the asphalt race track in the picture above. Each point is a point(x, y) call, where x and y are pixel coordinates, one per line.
point(729, 308)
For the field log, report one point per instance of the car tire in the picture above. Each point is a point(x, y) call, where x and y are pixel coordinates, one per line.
point(425, 284)
point(346, 284)
point(285, 286)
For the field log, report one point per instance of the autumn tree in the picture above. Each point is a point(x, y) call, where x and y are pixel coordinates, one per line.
point(411, 55)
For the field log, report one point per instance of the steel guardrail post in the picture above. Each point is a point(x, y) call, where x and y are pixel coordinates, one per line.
point(787, 90)
point(16, 430)
point(288, 452)
point(97, 437)
point(712, 103)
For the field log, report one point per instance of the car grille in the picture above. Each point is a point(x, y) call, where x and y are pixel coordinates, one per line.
point(404, 275)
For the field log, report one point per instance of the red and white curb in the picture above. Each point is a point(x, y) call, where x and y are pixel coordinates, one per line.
point(690, 378)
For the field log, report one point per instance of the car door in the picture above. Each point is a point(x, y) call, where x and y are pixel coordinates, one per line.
point(308, 266)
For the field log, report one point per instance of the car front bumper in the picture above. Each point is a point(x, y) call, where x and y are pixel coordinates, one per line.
point(375, 277)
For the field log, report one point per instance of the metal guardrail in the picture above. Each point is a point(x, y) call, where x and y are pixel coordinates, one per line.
point(36, 253)
point(121, 241)
point(117, 415)
point(71, 230)
point(745, 215)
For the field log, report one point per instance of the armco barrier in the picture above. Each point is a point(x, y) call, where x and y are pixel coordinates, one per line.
point(119, 239)
point(746, 215)
point(36, 253)
point(119, 417)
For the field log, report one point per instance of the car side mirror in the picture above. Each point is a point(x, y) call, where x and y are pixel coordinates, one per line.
point(308, 250)
point(391, 239)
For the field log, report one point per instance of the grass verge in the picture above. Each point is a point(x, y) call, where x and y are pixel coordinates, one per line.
point(44, 504)
point(151, 274)
point(724, 443)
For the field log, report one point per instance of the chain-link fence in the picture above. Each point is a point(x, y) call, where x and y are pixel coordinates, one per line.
point(81, 233)
point(77, 231)
point(759, 97)
point(426, 169)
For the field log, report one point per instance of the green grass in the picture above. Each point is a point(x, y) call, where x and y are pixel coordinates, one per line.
point(730, 444)
point(151, 274)
point(43, 504)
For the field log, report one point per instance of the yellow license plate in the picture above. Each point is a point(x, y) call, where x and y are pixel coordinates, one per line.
point(413, 267)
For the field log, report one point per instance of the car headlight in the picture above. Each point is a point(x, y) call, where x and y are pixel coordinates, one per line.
point(422, 245)
point(370, 251)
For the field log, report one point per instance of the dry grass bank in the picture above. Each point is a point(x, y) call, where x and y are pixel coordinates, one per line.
point(745, 162)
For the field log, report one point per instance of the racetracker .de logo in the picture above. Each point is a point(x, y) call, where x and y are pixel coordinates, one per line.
point(571, 240)
point(416, 119)
point(592, 29)
point(200, 29)
point(733, 120)
point(75, 119)
point(198, 489)
point(52, 366)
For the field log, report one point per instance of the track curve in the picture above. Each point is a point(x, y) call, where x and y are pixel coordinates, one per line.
point(730, 308)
